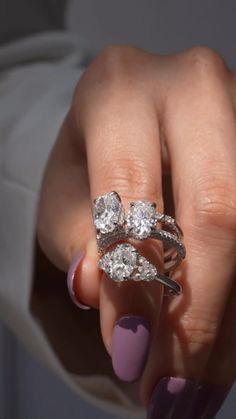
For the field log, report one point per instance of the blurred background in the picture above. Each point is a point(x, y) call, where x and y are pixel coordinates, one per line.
point(27, 390)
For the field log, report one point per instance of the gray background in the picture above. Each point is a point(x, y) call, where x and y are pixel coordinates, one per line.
point(163, 26)
point(27, 390)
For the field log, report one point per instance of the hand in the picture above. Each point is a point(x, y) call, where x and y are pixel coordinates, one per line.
point(135, 117)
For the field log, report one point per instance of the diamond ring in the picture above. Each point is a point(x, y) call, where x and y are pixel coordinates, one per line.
point(112, 225)
point(124, 263)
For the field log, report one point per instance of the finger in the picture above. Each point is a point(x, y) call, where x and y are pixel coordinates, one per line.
point(202, 149)
point(121, 133)
point(64, 213)
point(221, 367)
point(220, 370)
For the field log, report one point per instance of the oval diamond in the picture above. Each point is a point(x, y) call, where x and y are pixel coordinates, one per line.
point(108, 212)
point(120, 263)
point(141, 219)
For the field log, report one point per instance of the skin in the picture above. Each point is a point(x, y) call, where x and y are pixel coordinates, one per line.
point(134, 117)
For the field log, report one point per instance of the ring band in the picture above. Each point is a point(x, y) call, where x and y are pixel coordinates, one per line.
point(171, 259)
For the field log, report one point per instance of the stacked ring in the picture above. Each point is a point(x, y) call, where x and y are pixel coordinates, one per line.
point(141, 223)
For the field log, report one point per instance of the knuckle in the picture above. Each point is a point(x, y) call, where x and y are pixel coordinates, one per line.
point(115, 62)
point(205, 64)
point(117, 55)
point(116, 69)
point(215, 206)
point(131, 178)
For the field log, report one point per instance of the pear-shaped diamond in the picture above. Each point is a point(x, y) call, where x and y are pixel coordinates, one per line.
point(146, 270)
point(108, 212)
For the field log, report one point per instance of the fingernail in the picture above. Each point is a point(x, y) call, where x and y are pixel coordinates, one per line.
point(207, 401)
point(130, 344)
point(70, 280)
point(170, 397)
point(179, 398)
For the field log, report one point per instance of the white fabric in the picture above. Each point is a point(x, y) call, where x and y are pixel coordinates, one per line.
point(37, 78)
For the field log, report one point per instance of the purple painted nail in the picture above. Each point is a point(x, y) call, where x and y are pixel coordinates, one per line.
point(178, 398)
point(207, 401)
point(170, 398)
point(70, 280)
point(130, 344)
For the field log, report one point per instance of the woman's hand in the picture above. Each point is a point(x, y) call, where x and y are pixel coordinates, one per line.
point(135, 117)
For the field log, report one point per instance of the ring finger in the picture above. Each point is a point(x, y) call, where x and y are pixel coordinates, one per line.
point(202, 147)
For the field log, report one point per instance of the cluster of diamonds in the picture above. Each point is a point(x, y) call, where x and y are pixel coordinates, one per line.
point(140, 223)
point(146, 271)
point(124, 263)
point(120, 263)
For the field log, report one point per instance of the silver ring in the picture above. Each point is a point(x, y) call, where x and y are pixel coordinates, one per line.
point(124, 263)
point(112, 226)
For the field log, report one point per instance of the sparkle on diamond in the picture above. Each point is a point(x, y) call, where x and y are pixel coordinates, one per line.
point(108, 212)
point(120, 263)
point(146, 270)
point(141, 218)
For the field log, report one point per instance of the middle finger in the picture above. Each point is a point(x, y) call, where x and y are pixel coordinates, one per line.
point(119, 124)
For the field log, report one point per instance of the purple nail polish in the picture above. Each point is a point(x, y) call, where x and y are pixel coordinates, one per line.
point(130, 344)
point(179, 398)
point(70, 280)
point(207, 401)
point(170, 398)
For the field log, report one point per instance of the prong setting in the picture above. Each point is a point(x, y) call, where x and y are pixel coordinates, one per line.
point(108, 213)
point(124, 263)
point(141, 219)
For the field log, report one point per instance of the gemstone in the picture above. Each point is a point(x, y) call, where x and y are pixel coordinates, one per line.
point(120, 263)
point(146, 270)
point(141, 218)
point(108, 212)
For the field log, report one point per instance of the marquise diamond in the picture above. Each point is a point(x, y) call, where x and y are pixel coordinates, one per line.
point(141, 219)
point(108, 212)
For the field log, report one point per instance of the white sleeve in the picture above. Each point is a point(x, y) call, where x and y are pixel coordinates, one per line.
point(37, 79)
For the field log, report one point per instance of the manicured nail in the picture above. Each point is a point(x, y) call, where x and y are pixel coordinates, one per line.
point(207, 401)
point(70, 280)
point(170, 397)
point(179, 398)
point(130, 344)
